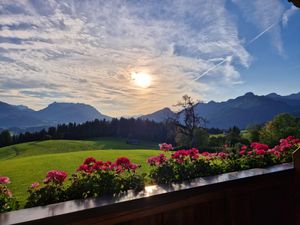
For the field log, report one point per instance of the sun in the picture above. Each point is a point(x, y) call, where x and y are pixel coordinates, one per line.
point(141, 79)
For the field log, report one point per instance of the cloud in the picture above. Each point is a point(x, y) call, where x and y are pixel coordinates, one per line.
point(287, 14)
point(267, 17)
point(86, 50)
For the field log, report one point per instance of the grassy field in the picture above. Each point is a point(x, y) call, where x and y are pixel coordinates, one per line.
point(63, 146)
point(29, 162)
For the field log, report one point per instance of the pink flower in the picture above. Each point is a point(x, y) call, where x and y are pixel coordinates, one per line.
point(242, 152)
point(133, 166)
point(249, 153)
point(244, 147)
point(5, 191)
point(278, 154)
point(9, 193)
point(205, 153)
point(157, 160)
point(35, 185)
point(275, 152)
point(222, 155)
point(165, 147)
point(55, 176)
point(4, 180)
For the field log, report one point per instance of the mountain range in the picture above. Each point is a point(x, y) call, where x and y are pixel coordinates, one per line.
point(13, 117)
point(242, 111)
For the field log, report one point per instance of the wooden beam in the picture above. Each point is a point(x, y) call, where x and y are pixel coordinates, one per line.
point(296, 160)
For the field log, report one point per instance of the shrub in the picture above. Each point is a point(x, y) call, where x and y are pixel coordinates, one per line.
point(92, 179)
point(51, 192)
point(96, 178)
point(7, 202)
point(188, 164)
point(182, 165)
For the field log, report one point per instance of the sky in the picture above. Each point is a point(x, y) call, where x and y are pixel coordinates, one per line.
point(91, 51)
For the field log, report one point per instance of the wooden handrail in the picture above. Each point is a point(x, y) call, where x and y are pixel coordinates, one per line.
point(296, 160)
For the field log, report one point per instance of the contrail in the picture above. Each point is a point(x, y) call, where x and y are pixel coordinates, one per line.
point(212, 68)
point(228, 57)
point(261, 34)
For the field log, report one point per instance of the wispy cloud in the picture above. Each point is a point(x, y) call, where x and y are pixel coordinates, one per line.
point(267, 16)
point(287, 14)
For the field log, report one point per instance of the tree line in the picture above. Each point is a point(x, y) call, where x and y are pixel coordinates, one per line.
point(123, 128)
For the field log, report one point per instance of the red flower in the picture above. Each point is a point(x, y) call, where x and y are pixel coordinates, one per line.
point(89, 161)
point(260, 152)
point(97, 166)
point(84, 168)
point(55, 176)
point(4, 180)
point(259, 146)
point(124, 162)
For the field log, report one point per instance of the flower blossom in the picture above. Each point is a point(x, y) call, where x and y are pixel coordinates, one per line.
point(259, 146)
point(157, 160)
point(34, 185)
point(4, 180)
point(165, 147)
point(55, 176)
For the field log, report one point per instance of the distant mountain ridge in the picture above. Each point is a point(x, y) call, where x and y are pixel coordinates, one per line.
point(160, 115)
point(242, 111)
point(12, 116)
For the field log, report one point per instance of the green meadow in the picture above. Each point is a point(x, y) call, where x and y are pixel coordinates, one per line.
point(29, 162)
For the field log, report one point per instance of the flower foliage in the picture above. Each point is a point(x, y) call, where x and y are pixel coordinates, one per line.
point(51, 192)
point(187, 164)
point(92, 179)
point(7, 202)
point(96, 178)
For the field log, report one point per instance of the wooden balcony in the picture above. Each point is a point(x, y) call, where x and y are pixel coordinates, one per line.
point(251, 197)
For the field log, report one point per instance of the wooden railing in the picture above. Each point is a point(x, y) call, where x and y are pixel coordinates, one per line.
point(256, 196)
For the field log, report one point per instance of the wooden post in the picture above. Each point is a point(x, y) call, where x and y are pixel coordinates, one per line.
point(296, 159)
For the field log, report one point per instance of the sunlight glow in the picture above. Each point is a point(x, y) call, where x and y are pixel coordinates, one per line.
point(141, 79)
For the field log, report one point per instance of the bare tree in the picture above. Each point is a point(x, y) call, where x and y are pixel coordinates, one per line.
point(187, 120)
